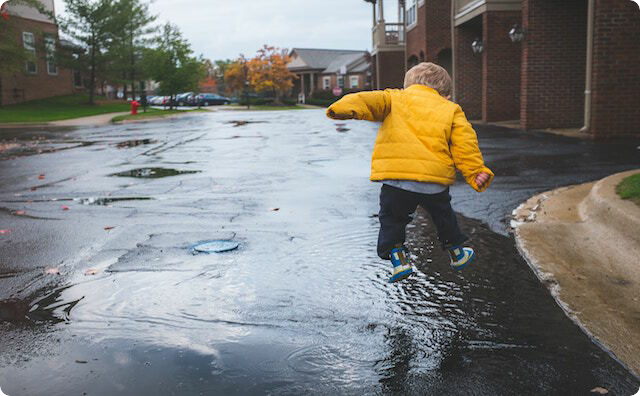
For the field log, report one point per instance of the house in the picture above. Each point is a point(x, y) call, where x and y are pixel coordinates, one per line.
point(325, 69)
point(41, 77)
point(542, 63)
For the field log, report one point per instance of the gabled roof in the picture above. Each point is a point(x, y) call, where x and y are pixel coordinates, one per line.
point(319, 59)
point(345, 60)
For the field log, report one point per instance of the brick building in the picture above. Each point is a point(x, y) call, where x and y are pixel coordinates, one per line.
point(543, 63)
point(40, 77)
point(325, 69)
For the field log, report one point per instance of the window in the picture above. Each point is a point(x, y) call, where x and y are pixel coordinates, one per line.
point(326, 82)
point(29, 42)
point(412, 13)
point(354, 81)
point(50, 46)
point(341, 81)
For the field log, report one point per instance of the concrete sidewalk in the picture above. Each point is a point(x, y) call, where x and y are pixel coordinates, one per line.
point(583, 242)
point(95, 120)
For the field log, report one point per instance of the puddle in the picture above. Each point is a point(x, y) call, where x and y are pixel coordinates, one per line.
point(51, 308)
point(237, 123)
point(153, 173)
point(215, 246)
point(135, 143)
point(108, 200)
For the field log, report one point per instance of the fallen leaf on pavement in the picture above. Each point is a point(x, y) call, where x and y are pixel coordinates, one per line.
point(41, 176)
point(64, 207)
point(52, 271)
point(19, 212)
point(274, 209)
point(2, 232)
point(34, 188)
point(108, 228)
point(599, 390)
point(90, 271)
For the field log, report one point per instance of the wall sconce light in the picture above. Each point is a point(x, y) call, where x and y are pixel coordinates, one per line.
point(517, 33)
point(477, 46)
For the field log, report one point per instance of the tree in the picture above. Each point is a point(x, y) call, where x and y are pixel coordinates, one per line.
point(130, 28)
point(268, 72)
point(172, 65)
point(13, 54)
point(89, 23)
point(220, 68)
point(236, 77)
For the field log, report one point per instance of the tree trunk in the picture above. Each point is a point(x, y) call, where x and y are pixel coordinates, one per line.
point(133, 70)
point(278, 100)
point(92, 75)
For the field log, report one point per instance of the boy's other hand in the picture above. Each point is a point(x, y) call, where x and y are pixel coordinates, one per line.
point(481, 178)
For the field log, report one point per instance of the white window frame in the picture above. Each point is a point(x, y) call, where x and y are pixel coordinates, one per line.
point(29, 44)
point(352, 79)
point(50, 46)
point(412, 13)
point(326, 82)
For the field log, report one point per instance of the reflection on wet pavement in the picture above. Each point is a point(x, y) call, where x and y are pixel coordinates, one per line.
point(108, 200)
point(304, 307)
point(153, 173)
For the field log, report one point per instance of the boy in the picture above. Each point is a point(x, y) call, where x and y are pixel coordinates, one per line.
point(423, 138)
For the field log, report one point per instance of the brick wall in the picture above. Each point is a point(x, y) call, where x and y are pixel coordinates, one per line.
point(391, 65)
point(417, 36)
point(21, 86)
point(553, 63)
point(468, 70)
point(501, 61)
point(438, 28)
point(616, 70)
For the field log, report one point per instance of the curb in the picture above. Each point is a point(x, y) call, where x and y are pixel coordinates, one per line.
point(582, 243)
point(604, 205)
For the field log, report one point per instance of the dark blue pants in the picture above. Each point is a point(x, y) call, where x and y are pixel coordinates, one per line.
point(396, 211)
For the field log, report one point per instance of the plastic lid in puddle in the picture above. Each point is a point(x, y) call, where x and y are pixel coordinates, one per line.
point(217, 246)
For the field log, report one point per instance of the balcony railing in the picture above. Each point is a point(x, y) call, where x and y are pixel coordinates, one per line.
point(388, 34)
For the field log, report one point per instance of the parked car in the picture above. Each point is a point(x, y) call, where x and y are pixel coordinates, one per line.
point(184, 99)
point(209, 99)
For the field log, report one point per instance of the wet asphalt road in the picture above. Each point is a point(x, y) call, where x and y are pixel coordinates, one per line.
point(303, 306)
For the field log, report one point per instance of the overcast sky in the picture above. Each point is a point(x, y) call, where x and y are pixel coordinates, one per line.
point(220, 29)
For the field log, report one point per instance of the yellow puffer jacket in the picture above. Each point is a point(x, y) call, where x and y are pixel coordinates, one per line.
point(423, 136)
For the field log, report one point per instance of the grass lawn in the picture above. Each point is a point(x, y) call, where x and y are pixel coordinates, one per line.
point(629, 188)
point(59, 108)
point(268, 107)
point(151, 113)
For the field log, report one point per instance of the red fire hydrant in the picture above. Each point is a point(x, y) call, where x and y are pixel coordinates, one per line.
point(134, 107)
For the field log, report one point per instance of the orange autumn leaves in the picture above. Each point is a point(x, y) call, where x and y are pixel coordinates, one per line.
point(265, 72)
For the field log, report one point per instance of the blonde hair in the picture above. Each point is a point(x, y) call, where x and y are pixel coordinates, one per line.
point(431, 75)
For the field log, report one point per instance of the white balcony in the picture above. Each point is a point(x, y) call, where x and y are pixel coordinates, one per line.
point(388, 36)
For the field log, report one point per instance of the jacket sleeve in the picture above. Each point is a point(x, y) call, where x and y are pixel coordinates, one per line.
point(465, 151)
point(369, 105)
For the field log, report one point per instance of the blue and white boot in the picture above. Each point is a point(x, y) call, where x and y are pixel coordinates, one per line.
point(401, 269)
point(461, 256)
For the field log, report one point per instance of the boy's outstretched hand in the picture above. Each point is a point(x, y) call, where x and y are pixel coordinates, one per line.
point(340, 116)
point(481, 178)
